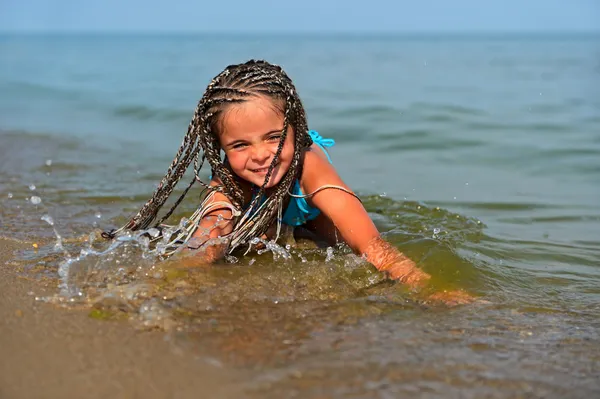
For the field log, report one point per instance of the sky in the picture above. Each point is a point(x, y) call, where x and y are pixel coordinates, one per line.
point(414, 16)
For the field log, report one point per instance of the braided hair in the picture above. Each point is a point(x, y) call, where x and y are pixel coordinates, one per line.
point(234, 85)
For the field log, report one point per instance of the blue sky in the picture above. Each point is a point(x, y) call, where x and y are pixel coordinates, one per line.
point(300, 15)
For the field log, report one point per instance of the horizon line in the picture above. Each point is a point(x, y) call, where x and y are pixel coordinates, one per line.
point(303, 33)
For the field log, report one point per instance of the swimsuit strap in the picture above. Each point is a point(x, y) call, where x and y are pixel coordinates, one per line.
point(317, 138)
point(323, 187)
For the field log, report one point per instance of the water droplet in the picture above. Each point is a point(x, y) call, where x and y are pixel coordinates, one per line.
point(330, 254)
point(32, 187)
point(231, 259)
point(154, 232)
point(467, 183)
point(454, 197)
point(35, 200)
point(98, 215)
point(48, 162)
point(10, 195)
point(144, 242)
point(436, 231)
point(185, 221)
point(48, 219)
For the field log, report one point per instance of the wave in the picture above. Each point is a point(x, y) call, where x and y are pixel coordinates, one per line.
point(142, 112)
point(35, 90)
point(81, 99)
point(452, 109)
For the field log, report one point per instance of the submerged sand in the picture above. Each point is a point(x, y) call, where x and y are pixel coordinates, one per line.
point(51, 352)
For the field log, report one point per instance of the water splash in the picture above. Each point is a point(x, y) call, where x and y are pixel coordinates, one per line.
point(63, 268)
point(330, 255)
point(94, 269)
point(153, 232)
point(278, 251)
point(35, 200)
point(163, 244)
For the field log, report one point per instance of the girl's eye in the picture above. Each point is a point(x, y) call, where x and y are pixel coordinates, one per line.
point(275, 137)
point(239, 146)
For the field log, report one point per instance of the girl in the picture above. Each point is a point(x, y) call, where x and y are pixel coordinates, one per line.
point(269, 174)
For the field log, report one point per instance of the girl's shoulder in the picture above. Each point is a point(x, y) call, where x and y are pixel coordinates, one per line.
point(317, 169)
point(318, 151)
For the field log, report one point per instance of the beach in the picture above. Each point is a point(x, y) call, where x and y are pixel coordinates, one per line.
point(49, 352)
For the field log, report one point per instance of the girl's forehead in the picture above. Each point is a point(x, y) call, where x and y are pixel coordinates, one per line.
point(254, 116)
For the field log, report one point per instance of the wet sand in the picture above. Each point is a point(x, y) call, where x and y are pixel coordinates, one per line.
point(49, 352)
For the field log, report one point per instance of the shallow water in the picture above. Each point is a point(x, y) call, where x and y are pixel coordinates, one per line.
point(477, 157)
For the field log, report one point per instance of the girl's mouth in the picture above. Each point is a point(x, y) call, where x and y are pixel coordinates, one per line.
point(261, 171)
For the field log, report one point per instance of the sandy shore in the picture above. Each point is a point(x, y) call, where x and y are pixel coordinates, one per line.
point(49, 352)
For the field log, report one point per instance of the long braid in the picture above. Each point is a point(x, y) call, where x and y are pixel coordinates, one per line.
point(235, 84)
point(276, 84)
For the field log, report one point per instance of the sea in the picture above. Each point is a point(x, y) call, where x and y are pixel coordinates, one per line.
point(478, 156)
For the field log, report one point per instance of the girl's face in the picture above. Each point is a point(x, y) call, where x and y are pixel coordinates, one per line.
point(250, 134)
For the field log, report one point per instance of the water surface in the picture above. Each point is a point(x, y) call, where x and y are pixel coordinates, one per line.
point(478, 157)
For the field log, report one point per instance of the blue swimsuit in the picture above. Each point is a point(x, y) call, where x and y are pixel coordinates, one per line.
point(298, 211)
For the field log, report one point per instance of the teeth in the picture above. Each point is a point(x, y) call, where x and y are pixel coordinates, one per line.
point(266, 168)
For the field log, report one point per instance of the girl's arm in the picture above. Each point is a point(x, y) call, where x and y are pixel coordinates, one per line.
point(199, 249)
point(353, 222)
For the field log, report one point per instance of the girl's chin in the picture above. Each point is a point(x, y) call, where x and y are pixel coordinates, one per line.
point(273, 181)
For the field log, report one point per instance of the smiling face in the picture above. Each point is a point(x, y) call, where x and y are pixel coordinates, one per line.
point(249, 134)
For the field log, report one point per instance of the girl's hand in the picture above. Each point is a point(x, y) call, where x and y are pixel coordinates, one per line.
point(407, 272)
point(452, 298)
point(186, 261)
point(198, 253)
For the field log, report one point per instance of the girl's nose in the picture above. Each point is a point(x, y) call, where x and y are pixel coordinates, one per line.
point(260, 154)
